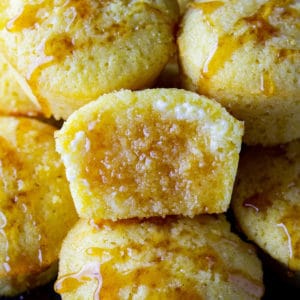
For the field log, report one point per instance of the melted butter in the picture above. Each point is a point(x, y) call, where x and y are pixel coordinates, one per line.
point(267, 85)
point(27, 18)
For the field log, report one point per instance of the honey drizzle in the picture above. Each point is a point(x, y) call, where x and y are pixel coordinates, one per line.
point(114, 280)
point(69, 283)
point(260, 30)
point(26, 18)
point(49, 52)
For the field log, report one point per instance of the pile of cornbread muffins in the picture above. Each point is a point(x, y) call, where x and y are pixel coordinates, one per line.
point(149, 149)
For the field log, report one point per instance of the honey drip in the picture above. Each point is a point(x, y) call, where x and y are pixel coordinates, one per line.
point(27, 18)
point(114, 279)
point(259, 30)
point(69, 283)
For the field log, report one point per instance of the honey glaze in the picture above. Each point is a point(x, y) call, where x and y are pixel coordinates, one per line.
point(26, 18)
point(70, 283)
point(259, 30)
point(115, 272)
point(115, 280)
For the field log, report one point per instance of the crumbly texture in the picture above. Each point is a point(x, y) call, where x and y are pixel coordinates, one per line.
point(13, 100)
point(266, 200)
point(71, 52)
point(171, 258)
point(246, 55)
point(150, 153)
point(36, 208)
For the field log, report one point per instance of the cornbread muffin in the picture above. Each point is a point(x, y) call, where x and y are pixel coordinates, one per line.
point(13, 100)
point(70, 52)
point(36, 209)
point(266, 200)
point(245, 54)
point(150, 153)
point(171, 258)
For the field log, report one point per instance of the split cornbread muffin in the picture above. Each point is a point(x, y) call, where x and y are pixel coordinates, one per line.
point(150, 153)
point(266, 201)
point(69, 52)
point(36, 208)
point(13, 100)
point(170, 258)
point(246, 55)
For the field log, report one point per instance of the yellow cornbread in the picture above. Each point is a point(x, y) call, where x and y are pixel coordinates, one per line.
point(173, 258)
point(13, 100)
point(246, 55)
point(70, 52)
point(36, 209)
point(266, 200)
point(150, 153)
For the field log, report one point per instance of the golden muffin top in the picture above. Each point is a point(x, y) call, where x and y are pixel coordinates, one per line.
point(70, 52)
point(170, 258)
point(246, 55)
point(266, 200)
